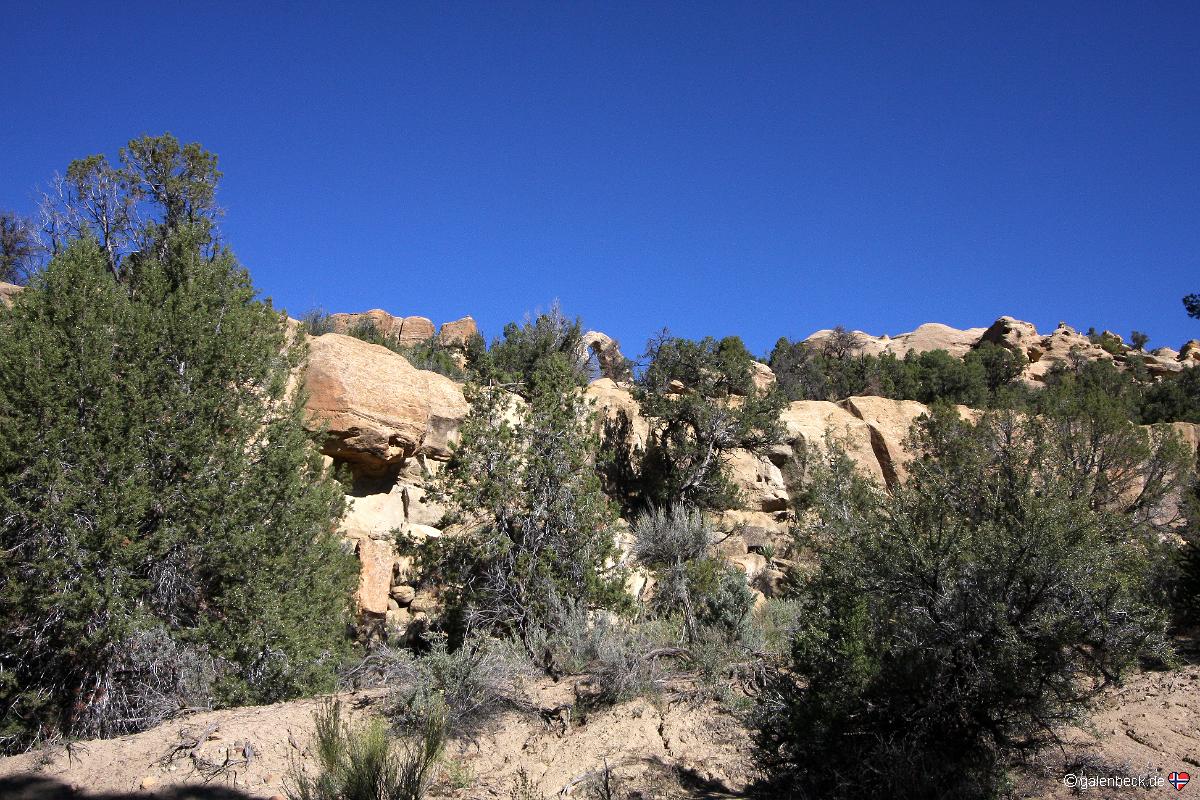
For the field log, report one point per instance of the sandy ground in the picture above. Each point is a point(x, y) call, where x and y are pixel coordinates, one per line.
point(660, 749)
point(652, 749)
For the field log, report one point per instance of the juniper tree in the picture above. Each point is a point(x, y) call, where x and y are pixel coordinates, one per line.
point(19, 247)
point(701, 402)
point(540, 529)
point(963, 618)
point(166, 527)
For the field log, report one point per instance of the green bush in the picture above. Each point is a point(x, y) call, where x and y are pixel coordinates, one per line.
point(540, 529)
point(690, 579)
point(471, 684)
point(515, 359)
point(360, 762)
point(155, 476)
point(957, 622)
point(836, 368)
point(700, 400)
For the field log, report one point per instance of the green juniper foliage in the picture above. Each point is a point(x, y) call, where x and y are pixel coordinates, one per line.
point(167, 529)
point(958, 621)
point(540, 533)
point(515, 358)
point(701, 402)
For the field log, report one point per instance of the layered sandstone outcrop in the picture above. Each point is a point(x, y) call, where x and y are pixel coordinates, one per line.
point(377, 409)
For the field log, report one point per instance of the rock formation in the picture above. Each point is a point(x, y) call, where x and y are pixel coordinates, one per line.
point(377, 408)
point(393, 424)
point(1063, 346)
point(8, 291)
point(609, 360)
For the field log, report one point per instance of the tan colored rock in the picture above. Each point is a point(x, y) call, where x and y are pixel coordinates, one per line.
point(752, 564)
point(375, 516)
point(729, 545)
point(759, 482)
point(8, 293)
point(763, 377)
point(1012, 333)
point(420, 533)
point(865, 342)
point(807, 422)
point(776, 522)
point(403, 594)
point(1063, 347)
point(458, 333)
point(890, 421)
point(1190, 351)
point(379, 409)
point(424, 603)
point(1160, 366)
point(639, 583)
point(419, 508)
point(935, 336)
point(377, 560)
point(930, 336)
point(385, 324)
point(404, 331)
point(612, 401)
point(414, 330)
point(398, 618)
point(607, 350)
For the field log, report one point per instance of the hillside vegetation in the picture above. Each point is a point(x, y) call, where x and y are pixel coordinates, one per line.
point(915, 562)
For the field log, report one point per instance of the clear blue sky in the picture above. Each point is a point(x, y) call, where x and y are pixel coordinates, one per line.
point(750, 168)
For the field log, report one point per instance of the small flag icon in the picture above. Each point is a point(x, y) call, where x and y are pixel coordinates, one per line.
point(1178, 780)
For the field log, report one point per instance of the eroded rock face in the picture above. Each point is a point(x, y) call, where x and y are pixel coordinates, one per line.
point(458, 333)
point(759, 481)
point(890, 422)
point(763, 377)
point(808, 422)
point(402, 330)
point(615, 407)
point(613, 365)
point(1011, 333)
point(8, 292)
point(379, 409)
point(930, 336)
point(935, 336)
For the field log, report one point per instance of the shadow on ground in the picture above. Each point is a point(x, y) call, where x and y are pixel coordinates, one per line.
point(37, 787)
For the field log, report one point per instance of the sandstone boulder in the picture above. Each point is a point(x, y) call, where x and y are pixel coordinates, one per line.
point(377, 562)
point(374, 516)
point(1191, 351)
point(402, 330)
point(1012, 333)
point(458, 333)
point(384, 323)
point(8, 292)
point(378, 409)
point(759, 482)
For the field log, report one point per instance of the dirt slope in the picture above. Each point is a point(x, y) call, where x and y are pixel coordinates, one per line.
point(1151, 726)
